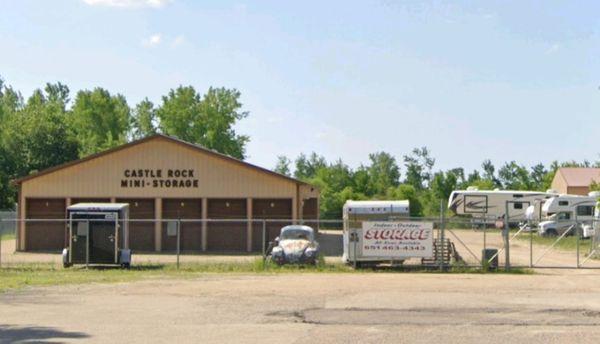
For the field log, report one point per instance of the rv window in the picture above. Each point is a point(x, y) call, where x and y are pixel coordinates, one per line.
point(518, 205)
point(585, 210)
point(562, 203)
point(518, 196)
point(564, 216)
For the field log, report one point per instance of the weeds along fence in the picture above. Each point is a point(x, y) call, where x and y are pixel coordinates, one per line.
point(458, 241)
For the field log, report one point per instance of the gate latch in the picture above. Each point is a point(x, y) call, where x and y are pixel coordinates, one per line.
point(111, 238)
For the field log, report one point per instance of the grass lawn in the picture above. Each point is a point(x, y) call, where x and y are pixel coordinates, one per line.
point(27, 275)
point(568, 243)
point(7, 236)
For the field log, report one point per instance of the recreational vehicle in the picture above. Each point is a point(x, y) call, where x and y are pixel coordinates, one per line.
point(490, 205)
point(380, 231)
point(564, 211)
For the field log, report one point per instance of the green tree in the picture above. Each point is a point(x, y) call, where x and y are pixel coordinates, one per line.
point(383, 172)
point(35, 137)
point(143, 120)
point(207, 120)
point(443, 184)
point(100, 120)
point(361, 181)
point(283, 165)
point(418, 168)
point(489, 173)
point(406, 192)
point(307, 167)
point(514, 176)
point(538, 172)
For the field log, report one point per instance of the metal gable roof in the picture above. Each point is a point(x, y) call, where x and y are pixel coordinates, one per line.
point(154, 137)
point(579, 176)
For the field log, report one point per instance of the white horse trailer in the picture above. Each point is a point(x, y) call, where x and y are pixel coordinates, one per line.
point(98, 234)
point(356, 213)
point(490, 205)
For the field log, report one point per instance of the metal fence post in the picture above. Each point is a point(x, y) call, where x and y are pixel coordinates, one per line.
point(1, 234)
point(530, 244)
point(178, 240)
point(506, 241)
point(264, 239)
point(440, 250)
point(87, 246)
point(578, 235)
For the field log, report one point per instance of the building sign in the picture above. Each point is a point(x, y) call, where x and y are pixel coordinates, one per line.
point(159, 178)
point(397, 239)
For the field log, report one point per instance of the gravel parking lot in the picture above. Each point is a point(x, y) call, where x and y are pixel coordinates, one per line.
point(552, 305)
point(557, 306)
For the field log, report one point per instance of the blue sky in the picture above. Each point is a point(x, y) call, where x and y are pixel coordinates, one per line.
point(507, 80)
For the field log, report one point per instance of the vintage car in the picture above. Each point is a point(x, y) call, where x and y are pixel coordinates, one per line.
point(296, 245)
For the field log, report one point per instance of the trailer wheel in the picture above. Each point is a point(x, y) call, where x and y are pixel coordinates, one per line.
point(125, 266)
point(67, 265)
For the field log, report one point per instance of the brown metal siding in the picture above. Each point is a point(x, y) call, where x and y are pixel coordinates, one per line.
point(227, 236)
point(270, 209)
point(90, 200)
point(141, 234)
point(310, 209)
point(45, 236)
point(191, 232)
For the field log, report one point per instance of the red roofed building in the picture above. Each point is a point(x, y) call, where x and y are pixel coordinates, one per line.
point(575, 180)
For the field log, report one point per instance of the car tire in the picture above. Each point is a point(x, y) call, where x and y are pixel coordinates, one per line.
point(551, 232)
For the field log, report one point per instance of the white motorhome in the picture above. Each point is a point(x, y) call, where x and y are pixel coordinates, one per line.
point(564, 211)
point(490, 205)
point(357, 212)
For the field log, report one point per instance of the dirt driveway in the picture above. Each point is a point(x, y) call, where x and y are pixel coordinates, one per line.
point(306, 308)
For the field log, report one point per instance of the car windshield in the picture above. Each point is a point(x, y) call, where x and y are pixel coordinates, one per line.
point(298, 234)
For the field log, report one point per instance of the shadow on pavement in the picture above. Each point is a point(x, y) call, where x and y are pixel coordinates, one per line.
point(35, 334)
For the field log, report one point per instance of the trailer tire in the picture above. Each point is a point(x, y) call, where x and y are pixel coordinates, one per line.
point(126, 266)
point(67, 265)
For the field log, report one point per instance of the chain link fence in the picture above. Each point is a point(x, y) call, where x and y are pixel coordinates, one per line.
point(458, 241)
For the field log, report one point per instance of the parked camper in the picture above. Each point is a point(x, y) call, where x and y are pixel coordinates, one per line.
point(490, 205)
point(98, 234)
point(564, 211)
point(379, 231)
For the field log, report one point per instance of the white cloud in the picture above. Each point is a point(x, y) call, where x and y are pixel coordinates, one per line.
point(129, 3)
point(179, 40)
point(553, 48)
point(152, 41)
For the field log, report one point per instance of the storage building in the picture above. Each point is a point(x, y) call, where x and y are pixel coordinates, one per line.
point(575, 180)
point(164, 178)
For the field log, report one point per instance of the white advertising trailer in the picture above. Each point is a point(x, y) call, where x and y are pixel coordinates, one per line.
point(381, 231)
point(490, 205)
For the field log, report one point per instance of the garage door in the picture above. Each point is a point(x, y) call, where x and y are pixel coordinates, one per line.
point(45, 235)
point(141, 234)
point(191, 232)
point(278, 209)
point(227, 236)
point(310, 213)
point(90, 200)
